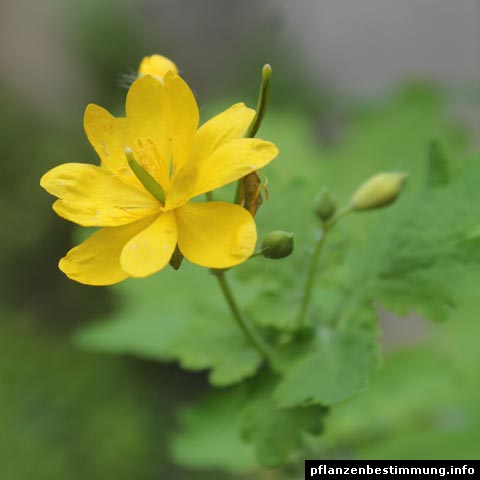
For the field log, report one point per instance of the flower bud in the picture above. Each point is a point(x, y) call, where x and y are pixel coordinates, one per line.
point(157, 66)
point(277, 244)
point(378, 191)
point(325, 205)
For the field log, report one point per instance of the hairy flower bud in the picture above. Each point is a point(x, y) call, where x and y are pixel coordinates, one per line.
point(157, 66)
point(277, 244)
point(325, 205)
point(378, 191)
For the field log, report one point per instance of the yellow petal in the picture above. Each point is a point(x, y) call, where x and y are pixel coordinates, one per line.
point(94, 196)
point(157, 66)
point(215, 234)
point(96, 261)
point(106, 136)
point(150, 250)
point(183, 186)
point(147, 125)
point(228, 125)
point(233, 160)
point(183, 118)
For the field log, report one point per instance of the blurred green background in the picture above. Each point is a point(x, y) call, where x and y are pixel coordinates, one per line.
point(68, 411)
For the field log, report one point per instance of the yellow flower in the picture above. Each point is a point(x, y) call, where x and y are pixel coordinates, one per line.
point(141, 230)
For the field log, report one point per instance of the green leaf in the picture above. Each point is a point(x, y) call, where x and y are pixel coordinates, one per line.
point(209, 434)
point(411, 383)
point(419, 406)
point(424, 245)
point(277, 433)
point(335, 368)
point(153, 313)
point(157, 322)
point(423, 403)
point(216, 343)
point(232, 428)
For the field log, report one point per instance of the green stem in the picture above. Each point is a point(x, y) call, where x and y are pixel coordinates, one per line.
point(310, 281)
point(256, 341)
point(307, 291)
point(244, 326)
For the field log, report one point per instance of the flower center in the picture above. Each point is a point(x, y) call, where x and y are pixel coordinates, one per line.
point(150, 184)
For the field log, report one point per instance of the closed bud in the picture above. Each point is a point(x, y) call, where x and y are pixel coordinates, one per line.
point(157, 66)
point(277, 244)
point(325, 205)
point(378, 191)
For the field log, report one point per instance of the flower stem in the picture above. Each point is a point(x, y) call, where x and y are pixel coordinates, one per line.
point(244, 326)
point(307, 291)
point(310, 281)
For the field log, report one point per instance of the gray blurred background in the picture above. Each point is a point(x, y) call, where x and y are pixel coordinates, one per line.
point(355, 46)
